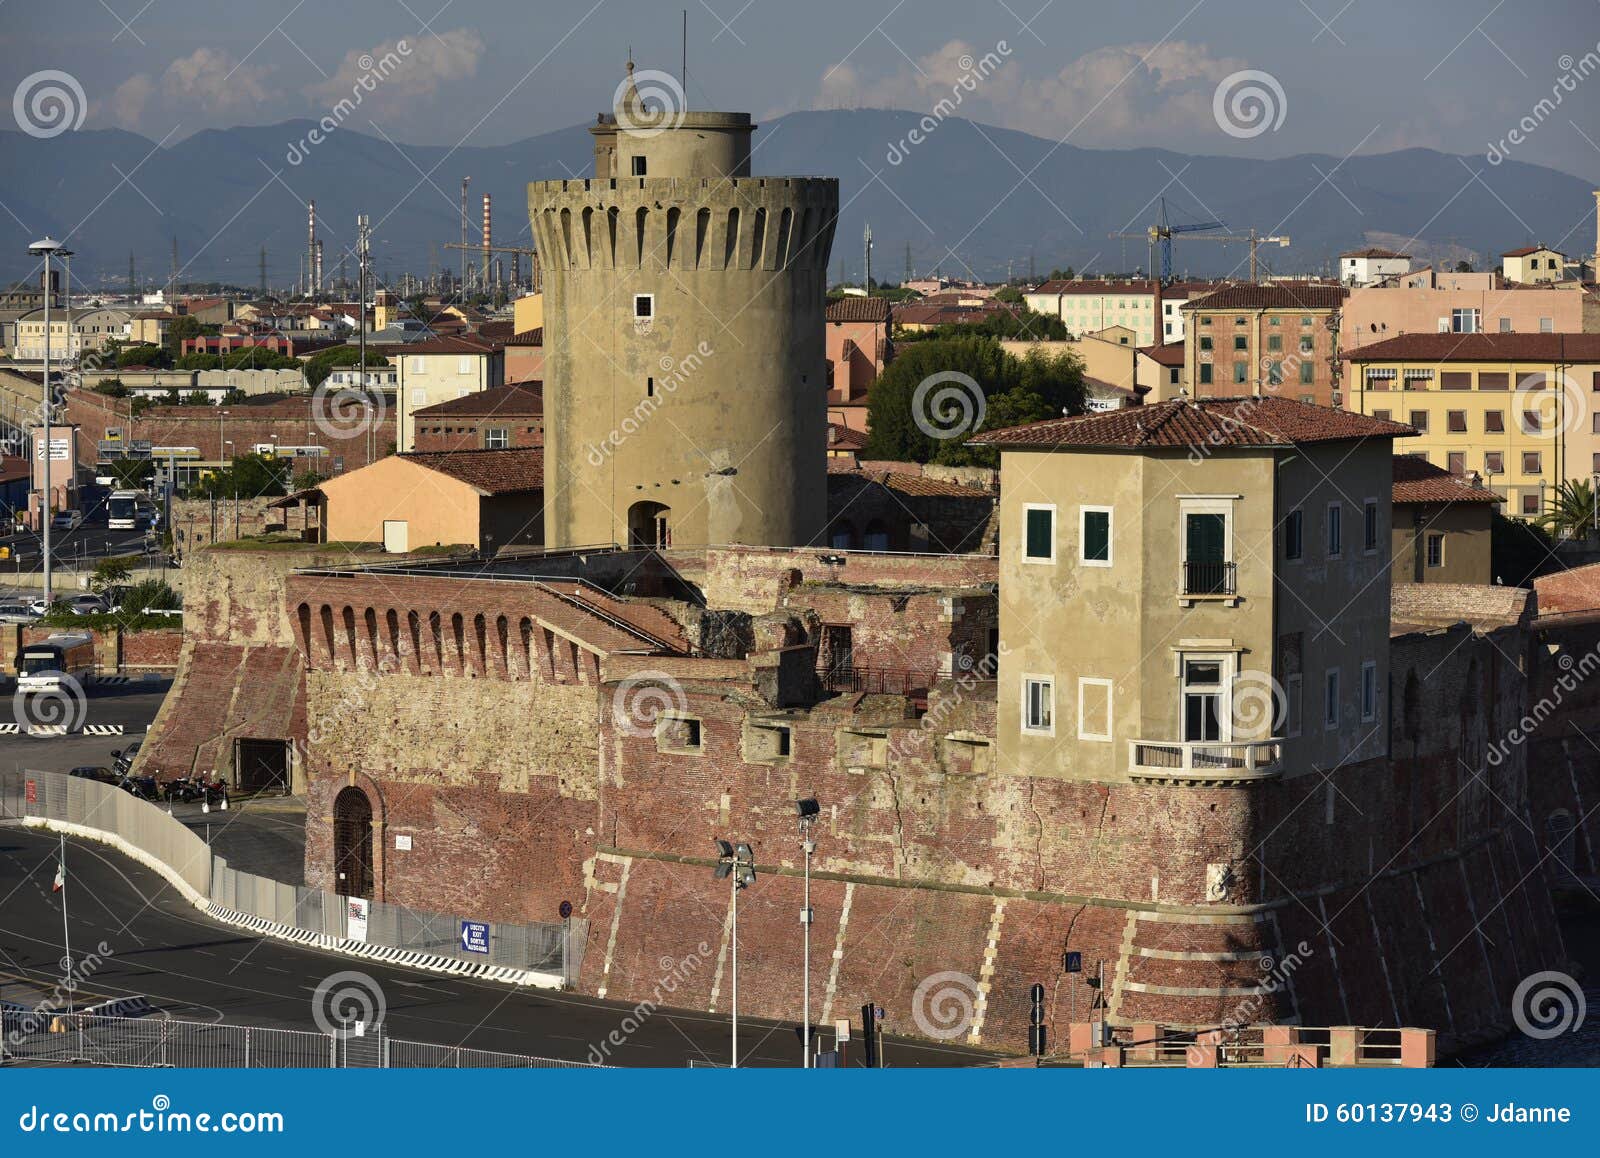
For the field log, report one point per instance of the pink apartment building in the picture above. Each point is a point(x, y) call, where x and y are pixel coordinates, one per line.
point(1428, 302)
point(857, 347)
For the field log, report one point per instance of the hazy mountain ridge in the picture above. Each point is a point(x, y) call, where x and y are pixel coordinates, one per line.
point(992, 194)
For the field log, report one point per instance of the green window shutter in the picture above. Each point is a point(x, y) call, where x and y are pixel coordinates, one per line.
point(1041, 534)
point(1097, 536)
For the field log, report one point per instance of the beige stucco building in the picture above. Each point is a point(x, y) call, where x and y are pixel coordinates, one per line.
point(685, 381)
point(1442, 525)
point(438, 370)
point(1532, 263)
point(1167, 578)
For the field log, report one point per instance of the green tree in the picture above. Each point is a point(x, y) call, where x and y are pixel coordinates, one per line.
point(1569, 511)
point(325, 362)
point(179, 330)
point(143, 356)
point(131, 474)
point(1463, 267)
point(1010, 294)
point(309, 478)
point(198, 362)
point(150, 595)
point(1520, 551)
point(249, 476)
point(110, 573)
point(934, 427)
point(197, 398)
point(111, 388)
point(1024, 326)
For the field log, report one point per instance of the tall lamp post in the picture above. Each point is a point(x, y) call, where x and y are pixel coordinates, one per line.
point(738, 864)
point(807, 811)
point(47, 247)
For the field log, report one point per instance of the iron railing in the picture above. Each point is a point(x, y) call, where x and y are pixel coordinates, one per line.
point(1209, 579)
point(876, 680)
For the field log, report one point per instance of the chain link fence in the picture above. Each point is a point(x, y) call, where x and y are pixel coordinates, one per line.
point(51, 1039)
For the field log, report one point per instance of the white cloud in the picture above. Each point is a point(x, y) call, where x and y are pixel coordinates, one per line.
point(1127, 94)
point(205, 88)
point(395, 74)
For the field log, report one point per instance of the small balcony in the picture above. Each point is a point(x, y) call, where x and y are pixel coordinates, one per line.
point(1205, 761)
point(1209, 580)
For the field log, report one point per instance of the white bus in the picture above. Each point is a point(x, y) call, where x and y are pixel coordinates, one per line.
point(41, 666)
point(128, 510)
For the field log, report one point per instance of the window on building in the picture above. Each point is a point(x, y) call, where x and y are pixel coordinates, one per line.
point(1455, 421)
point(1172, 375)
point(1205, 373)
point(1435, 549)
point(644, 305)
point(1381, 415)
point(1419, 419)
point(1531, 423)
point(1202, 700)
point(1308, 372)
point(1273, 320)
point(1494, 421)
point(1274, 373)
point(1494, 381)
point(1240, 342)
point(1369, 525)
point(1241, 373)
point(1531, 460)
point(649, 387)
point(1369, 692)
point(1335, 530)
point(1530, 502)
point(1039, 533)
point(1494, 462)
point(638, 166)
point(1205, 341)
point(1464, 321)
point(1455, 380)
point(1038, 705)
point(497, 438)
point(1274, 341)
point(1094, 709)
point(1457, 462)
point(1094, 541)
point(1547, 325)
point(678, 734)
point(1306, 344)
point(1330, 699)
point(1505, 325)
point(1293, 535)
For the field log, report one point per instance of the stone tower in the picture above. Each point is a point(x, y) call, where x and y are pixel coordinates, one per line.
point(685, 376)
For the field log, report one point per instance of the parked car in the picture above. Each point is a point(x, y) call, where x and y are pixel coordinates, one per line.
point(38, 607)
point(89, 605)
point(122, 758)
point(95, 772)
point(66, 520)
point(16, 611)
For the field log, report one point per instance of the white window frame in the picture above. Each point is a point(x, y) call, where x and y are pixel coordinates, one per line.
point(1428, 538)
point(1327, 530)
point(1369, 684)
point(1055, 531)
point(1083, 731)
point(1029, 679)
point(651, 316)
point(1332, 680)
point(1111, 530)
point(1227, 670)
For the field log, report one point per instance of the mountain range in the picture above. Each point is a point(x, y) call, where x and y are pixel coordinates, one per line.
point(966, 197)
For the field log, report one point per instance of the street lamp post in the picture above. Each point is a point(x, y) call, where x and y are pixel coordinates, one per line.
point(735, 863)
point(46, 247)
point(807, 811)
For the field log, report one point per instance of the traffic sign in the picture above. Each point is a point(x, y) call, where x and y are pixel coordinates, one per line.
point(1072, 963)
point(566, 909)
point(474, 936)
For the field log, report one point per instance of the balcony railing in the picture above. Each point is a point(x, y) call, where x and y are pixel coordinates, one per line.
point(1209, 579)
point(1205, 759)
point(876, 680)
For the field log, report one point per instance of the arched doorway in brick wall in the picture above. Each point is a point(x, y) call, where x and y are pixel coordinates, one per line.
point(649, 524)
point(352, 843)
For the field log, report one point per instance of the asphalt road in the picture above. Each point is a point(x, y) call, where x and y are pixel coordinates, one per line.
point(82, 545)
point(129, 707)
point(193, 968)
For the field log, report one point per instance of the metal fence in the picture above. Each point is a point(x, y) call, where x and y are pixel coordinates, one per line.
point(544, 947)
point(47, 1039)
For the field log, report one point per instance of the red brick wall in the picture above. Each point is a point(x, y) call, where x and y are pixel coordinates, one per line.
point(467, 433)
point(151, 650)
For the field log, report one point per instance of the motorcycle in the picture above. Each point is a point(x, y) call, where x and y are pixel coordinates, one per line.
point(182, 790)
point(143, 787)
point(213, 791)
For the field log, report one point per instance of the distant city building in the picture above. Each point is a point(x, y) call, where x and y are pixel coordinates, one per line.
point(441, 369)
point(1427, 302)
point(1366, 266)
point(1087, 306)
point(1265, 339)
point(1531, 264)
point(503, 418)
point(1441, 524)
point(857, 345)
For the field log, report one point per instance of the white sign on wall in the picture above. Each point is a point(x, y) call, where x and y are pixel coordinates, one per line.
point(402, 842)
point(356, 918)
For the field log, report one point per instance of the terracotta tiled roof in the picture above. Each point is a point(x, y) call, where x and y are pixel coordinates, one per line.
point(1215, 423)
point(1373, 253)
point(500, 332)
point(1565, 592)
point(1096, 287)
point(493, 472)
point(533, 337)
point(1481, 348)
point(519, 399)
point(1276, 296)
point(1416, 480)
point(1526, 250)
point(841, 437)
point(1482, 606)
point(1169, 354)
point(453, 345)
point(946, 315)
point(854, 309)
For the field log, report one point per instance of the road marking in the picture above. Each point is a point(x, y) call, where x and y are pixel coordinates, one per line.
point(61, 730)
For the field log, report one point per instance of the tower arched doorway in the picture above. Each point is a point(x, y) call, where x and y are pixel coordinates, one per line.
point(352, 843)
point(649, 524)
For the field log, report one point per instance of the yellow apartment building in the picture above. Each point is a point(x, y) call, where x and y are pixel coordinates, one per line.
point(1517, 409)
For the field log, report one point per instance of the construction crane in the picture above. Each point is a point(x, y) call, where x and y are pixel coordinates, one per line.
point(1253, 239)
point(1163, 232)
point(515, 250)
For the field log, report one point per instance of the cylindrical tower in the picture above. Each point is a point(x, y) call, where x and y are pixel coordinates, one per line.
point(685, 377)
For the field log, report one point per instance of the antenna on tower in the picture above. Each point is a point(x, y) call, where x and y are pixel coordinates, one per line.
point(867, 239)
point(683, 75)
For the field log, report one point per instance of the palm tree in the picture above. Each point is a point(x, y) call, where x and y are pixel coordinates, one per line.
point(1569, 510)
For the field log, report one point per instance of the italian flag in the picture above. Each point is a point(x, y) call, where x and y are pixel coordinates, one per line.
point(61, 877)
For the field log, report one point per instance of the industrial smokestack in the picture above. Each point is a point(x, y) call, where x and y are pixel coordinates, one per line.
point(312, 279)
point(486, 241)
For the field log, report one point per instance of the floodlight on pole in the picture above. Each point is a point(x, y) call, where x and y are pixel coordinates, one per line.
point(48, 247)
point(807, 810)
point(738, 864)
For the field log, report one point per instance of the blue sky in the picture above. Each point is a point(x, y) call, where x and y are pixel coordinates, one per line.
point(1356, 75)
